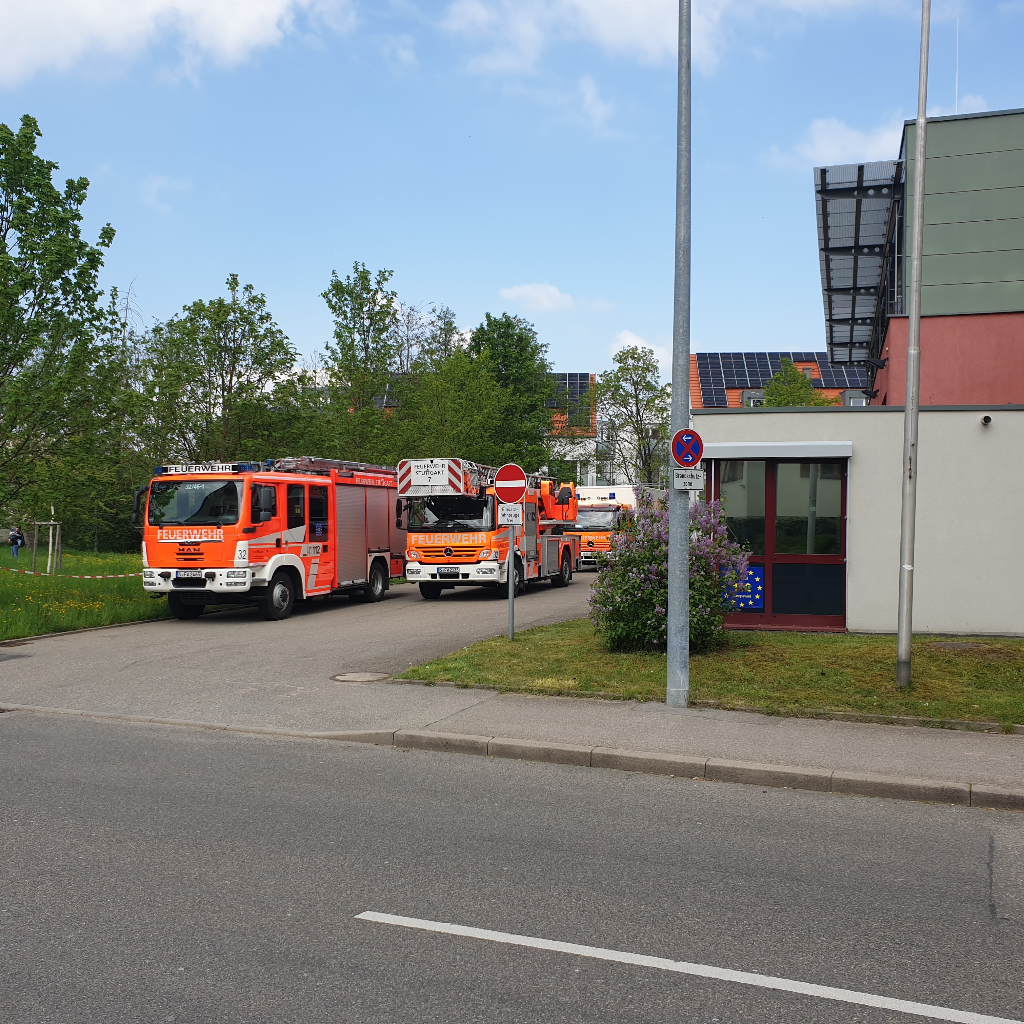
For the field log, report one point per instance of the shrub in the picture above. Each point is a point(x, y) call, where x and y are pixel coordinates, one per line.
point(629, 600)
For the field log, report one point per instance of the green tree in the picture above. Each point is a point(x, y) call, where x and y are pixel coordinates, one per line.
point(518, 361)
point(363, 357)
point(50, 315)
point(210, 372)
point(791, 387)
point(452, 411)
point(634, 406)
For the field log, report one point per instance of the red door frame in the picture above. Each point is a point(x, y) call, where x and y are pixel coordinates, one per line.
point(767, 619)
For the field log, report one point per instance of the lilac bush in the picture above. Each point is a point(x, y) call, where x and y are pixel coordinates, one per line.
point(629, 600)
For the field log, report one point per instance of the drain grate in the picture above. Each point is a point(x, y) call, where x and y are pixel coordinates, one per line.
point(360, 677)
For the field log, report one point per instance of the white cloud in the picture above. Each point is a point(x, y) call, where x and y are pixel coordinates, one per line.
point(831, 141)
point(538, 298)
point(155, 184)
point(399, 51)
point(595, 109)
point(54, 35)
point(969, 104)
point(625, 339)
point(510, 35)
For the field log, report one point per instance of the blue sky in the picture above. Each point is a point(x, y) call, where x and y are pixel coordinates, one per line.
point(496, 154)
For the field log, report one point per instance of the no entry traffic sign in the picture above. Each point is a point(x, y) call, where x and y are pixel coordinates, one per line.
point(687, 448)
point(510, 483)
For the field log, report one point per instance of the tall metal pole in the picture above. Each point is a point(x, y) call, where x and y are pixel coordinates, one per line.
point(678, 683)
point(905, 620)
point(510, 570)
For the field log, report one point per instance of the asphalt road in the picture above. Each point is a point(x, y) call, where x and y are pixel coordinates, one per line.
point(161, 874)
point(235, 666)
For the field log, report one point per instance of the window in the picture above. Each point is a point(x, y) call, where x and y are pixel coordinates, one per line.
point(791, 518)
point(808, 506)
point(743, 495)
point(296, 506)
point(318, 513)
point(194, 502)
point(263, 498)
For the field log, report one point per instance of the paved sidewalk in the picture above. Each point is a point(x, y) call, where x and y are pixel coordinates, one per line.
point(233, 674)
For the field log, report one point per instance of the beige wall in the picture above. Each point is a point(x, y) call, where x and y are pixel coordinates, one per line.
point(969, 558)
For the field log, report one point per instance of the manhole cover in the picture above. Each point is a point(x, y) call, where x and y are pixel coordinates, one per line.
point(958, 645)
point(360, 677)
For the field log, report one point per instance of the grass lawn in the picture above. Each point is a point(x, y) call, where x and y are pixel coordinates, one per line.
point(785, 673)
point(31, 605)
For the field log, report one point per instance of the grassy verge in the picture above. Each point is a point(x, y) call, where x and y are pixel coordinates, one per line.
point(785, 673)
point(31, 605)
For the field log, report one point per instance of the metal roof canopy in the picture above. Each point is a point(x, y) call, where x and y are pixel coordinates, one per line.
point(857, 209)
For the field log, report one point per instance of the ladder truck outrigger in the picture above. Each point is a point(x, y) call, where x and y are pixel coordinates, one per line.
point(454, 539)
point(269, 533)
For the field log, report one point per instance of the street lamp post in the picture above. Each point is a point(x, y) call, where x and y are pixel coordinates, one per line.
point(678, 682)
point(908, 522)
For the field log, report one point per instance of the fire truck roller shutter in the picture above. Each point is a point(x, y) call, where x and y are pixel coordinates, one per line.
point(351, 544)
point(378, 514)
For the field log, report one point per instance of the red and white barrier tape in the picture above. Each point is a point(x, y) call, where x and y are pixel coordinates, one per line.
point(68, 576)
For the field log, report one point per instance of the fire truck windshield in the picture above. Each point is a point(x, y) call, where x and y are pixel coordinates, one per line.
point(194, 502)
point(446, 512)
point(593, 519)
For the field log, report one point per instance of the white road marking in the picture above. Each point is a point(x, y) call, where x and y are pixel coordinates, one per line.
point(699, 970)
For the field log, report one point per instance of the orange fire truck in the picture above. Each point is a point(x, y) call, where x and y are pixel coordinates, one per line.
point(454, 537)
point(596, 524)
point(269, 533)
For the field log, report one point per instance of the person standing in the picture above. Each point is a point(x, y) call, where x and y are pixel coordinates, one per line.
point(16, 540)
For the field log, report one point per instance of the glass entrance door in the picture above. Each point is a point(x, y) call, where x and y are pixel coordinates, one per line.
point(791, 516)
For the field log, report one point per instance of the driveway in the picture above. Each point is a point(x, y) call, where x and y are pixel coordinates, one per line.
point(234, 666)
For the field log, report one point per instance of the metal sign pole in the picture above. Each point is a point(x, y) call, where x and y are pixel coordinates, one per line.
point(905, 618)
point(677, 693)
point(511, 586)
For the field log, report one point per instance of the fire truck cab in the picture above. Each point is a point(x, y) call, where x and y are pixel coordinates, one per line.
point(269, 533)
point(597, 523)
point(454, 538)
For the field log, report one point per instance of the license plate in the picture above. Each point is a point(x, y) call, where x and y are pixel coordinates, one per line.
point(443, 570)
point(188, 574)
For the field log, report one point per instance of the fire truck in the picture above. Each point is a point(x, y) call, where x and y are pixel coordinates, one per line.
point(601, 514)
point(269, 533)
point(454, 537)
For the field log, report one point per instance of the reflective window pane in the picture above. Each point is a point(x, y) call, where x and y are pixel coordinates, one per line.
point(742, 493)
point(808, 508)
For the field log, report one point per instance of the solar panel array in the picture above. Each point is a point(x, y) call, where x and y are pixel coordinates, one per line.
point(718, 371)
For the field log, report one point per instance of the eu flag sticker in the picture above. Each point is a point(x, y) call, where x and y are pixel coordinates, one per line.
point(753, 599)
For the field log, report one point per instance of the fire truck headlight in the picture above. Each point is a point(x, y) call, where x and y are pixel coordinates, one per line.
point(413, 556)
point(149, 574)
point(487, 555)
point(234, 574)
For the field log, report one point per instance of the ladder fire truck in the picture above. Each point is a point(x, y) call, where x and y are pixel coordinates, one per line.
point(269, 533)
point(454, 538)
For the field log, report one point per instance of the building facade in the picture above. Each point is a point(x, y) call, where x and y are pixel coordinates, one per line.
point(815, 494)
point(972, 305)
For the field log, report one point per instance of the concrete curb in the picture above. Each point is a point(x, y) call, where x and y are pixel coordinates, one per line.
point(775, 776)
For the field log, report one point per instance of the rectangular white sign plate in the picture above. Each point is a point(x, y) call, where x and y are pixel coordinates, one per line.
point(510, 515)
point(428, 472)
point(205, 467)
point(688, 479)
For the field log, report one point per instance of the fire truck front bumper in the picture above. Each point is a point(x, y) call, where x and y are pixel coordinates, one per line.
point(198, 581)
point(471, 574)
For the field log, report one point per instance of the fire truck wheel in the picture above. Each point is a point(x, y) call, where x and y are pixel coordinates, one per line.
point(564, 576)
point(430, 591)
point(520, 578)
point(375, 586)
point(280, 597)
point(180, 610)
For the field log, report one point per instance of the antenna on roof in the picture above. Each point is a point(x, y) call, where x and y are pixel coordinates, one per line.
point(956, 87)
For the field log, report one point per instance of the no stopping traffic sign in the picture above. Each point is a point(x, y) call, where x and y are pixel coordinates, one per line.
point(510, 483)
point(687, 448)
